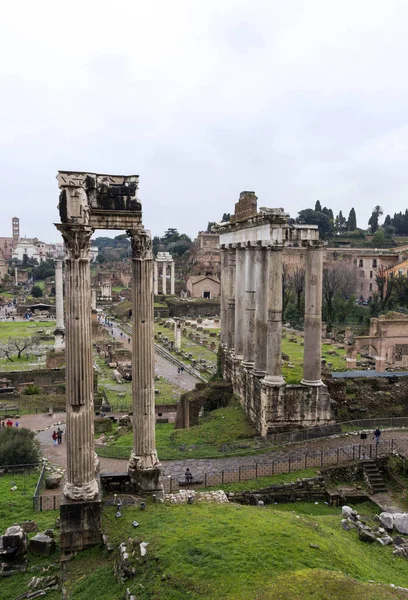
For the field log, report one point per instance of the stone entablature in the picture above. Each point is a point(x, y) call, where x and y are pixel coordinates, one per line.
point(251, 318)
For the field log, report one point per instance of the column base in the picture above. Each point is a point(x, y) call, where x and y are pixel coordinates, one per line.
point(146, 480)
point(274, 381)
point(80, 524)
point(83, 493)
point(258, 373)
point(238, 357)
point(316, 383)
point(248, 366)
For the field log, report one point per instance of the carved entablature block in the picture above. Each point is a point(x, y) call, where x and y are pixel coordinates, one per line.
point(100, 201)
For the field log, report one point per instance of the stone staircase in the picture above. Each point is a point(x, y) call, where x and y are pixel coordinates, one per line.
point(373, 477)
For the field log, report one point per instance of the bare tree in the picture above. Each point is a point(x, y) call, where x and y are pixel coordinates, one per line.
point(338, 280)
point(19, 345)
point(385, 283)
point(286, 288)
point(5, 352)
point(299, 285)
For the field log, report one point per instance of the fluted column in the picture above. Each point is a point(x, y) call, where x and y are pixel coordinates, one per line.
point(82, 462)
point(155, 278)
point(313, 317)
point(261, 310)
point(231, 299)
point(93, 299)
point(172, 278)
point(143, 466)
point(164, 277)
point(59, 331)
point(249, 319)
point(240, 302)
point(177, 334)
point(224, 296)
point(274, 331)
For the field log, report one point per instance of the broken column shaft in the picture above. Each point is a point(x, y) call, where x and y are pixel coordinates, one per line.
point(59, 332)
point(313, 316)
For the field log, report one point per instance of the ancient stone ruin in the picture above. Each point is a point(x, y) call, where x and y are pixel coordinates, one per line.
point(89, 201)
point(251, 317)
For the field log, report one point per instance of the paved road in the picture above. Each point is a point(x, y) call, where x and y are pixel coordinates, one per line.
point(163, 367)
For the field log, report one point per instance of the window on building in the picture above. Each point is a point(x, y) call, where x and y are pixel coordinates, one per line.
point(371, 274)
point(207, 295)
point(361, 263)
point(371, 287)
point(375, 263)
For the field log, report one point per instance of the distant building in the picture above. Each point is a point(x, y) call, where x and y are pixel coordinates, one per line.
point(203, 286)
point(205, 258)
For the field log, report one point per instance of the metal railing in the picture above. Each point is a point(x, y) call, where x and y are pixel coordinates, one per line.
point(38, 488)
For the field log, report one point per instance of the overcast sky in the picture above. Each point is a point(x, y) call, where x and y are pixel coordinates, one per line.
point(297, 100)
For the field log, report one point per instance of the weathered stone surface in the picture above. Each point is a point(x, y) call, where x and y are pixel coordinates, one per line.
point(43, 583)
point(399, 521)
point(53, 481)
point(13, 543)
point(42, 544)
point(365, 535)
point(29, 526)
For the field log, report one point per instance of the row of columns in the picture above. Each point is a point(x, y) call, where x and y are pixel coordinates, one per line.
point(82, 462)
point(251, 310)
point(164, 264)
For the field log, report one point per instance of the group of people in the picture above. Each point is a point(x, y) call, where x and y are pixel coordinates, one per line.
point(180, 370)
point(57, 436)
point(9, 423)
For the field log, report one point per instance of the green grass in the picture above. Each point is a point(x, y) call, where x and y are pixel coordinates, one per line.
point(222, 426)
point(293, 375)
point(16, 329)
point(188, 345)
point(262, 482)
point(217, 551)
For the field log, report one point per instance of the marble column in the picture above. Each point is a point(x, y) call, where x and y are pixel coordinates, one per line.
point(261, 310)
point(231, 299)
point(143, 467)
point(177, 334)
point(93, 299)
point(224, 296)
point(59, 331)
point(172, 278)
point(164, 277)
point(15, 276)
point(274, 329)
point(155, 278)
point(312, 358)
point(82, 462)
point(249, 319)
point(240, 302)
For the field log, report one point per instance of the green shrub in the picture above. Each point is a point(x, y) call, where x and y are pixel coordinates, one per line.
point(18, 446)
point(31, 390)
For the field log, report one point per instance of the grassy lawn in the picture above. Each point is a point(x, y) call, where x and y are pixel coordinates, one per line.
point(17, 329)
point(215, 552)
point(222, 426)
point(294, 374)
point(188, 345)
point(262, 482)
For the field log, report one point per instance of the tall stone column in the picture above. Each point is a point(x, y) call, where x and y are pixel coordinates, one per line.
point(313, 317)
point(164, 277)
point(240, 303)
point(177, 334)
point(261, 310)
point(172, 278)
point(82, 462)
point(249, 319)
point(274, 331)
point(231, 298)
point(143, 467)
point(93, 299)
point(155, 278)
point(224, 296)
point(15, 276)
point(59, 332)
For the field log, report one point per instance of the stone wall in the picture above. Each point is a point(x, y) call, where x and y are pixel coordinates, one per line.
point(40, 377)
point(273, 409)
point(201, 308)
point(303, 490)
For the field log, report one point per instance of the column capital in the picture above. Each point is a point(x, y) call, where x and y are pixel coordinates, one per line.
point(141, 241)
point(77, 240)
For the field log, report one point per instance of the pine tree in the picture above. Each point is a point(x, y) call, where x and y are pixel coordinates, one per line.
point(352, 220)
point(318, 206)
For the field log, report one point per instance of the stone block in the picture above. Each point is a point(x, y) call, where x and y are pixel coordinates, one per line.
point(52, 482)
point(80, 525)
point(42, 544)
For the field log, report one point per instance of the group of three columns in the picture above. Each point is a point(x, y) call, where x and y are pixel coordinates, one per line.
point(251, 309)
point(82, 462)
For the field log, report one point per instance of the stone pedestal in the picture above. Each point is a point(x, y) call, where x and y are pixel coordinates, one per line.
point(80, 525)
point(143, 467)
point(240, 303)
point(313, 317)
point(274, 331)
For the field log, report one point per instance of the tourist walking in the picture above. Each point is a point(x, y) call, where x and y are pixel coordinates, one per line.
point(377, 435)
point(59, 436)
point(188, 475)
point(55, 438)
